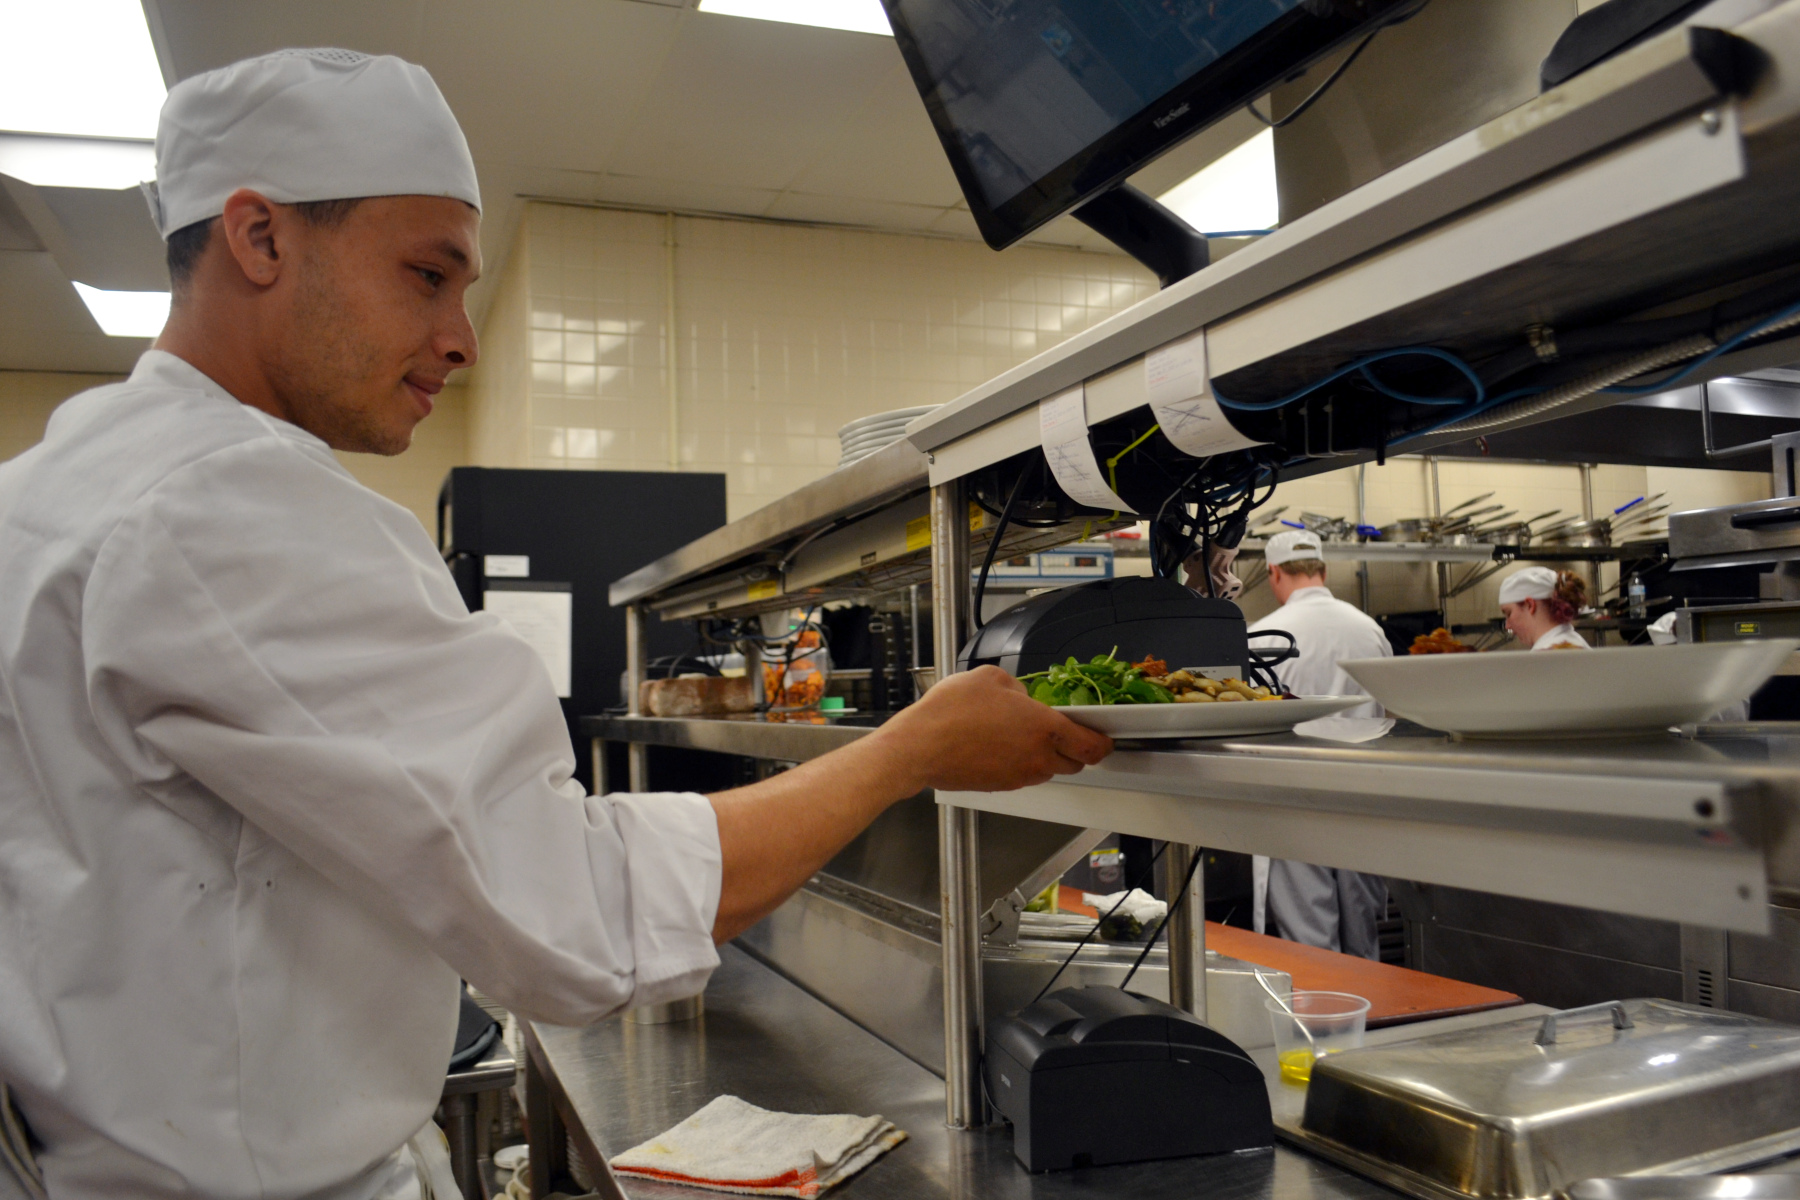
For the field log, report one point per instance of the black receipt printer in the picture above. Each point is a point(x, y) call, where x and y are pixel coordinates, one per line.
point(1096, 1075)
point(1136, 617)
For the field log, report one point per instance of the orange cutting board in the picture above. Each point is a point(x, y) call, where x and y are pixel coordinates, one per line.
point(1395, 994)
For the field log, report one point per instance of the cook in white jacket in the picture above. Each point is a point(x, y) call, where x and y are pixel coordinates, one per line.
point(1540, 606)
point(1319, 906)
point(267, 788)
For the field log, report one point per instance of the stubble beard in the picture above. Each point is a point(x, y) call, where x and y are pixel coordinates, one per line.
point(327, 363)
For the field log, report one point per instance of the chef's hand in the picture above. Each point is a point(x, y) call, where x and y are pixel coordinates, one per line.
point(977, 731)
point(980, 731)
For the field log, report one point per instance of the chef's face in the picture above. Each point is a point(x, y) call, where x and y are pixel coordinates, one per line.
point(1524, 620)
point(374, 319)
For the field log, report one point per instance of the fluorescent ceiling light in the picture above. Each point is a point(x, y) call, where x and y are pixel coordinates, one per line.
point(76, 162)
point(858, 16)
point(126, 314)
point(82, 67)
point(1231, 194)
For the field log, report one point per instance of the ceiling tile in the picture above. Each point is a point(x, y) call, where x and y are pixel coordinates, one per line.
point(558, 88)
point(751, 103)
point(886, 151)
point(45, 327)
point(198, 35)
point(875, 214)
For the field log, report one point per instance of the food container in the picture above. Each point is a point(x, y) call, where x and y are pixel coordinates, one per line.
point(1523, 1109)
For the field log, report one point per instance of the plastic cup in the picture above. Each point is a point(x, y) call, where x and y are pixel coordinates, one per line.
point(1335, 1020)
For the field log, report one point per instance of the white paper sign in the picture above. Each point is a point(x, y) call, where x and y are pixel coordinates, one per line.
point(506, 566)
point(1062, 423)
point(1182, 399)
point(543, 619)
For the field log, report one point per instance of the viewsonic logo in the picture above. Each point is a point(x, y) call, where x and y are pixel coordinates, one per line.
point(1167, 117)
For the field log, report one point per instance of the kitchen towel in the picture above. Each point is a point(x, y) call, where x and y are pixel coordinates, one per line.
point(733, 1146)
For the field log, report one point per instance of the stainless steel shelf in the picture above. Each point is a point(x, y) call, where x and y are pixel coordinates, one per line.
point(1693, 830)
point(888, 475)
point(1562, 210)
point(1399, 552)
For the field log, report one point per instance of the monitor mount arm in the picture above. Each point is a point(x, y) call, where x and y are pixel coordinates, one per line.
point(1147, 231)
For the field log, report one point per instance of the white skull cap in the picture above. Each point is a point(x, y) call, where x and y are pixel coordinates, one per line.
point(1295, 543)
point(1533, 583)
point(301, 125)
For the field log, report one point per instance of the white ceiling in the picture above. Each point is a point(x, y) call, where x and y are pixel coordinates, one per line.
point(628, 102)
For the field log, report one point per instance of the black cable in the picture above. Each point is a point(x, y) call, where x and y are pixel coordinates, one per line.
point(1096, 929)
point(1336, 74)
point(1164, 923)
point(987, 560)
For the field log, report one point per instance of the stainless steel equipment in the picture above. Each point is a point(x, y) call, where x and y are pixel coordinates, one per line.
point(1522, 1109)
point(1689, 1187)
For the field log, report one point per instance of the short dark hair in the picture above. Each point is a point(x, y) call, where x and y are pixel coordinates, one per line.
point(189, 242)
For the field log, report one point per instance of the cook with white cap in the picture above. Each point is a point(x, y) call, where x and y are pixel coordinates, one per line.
point(268, 791)
point(1319, 906)
point(1540, 606)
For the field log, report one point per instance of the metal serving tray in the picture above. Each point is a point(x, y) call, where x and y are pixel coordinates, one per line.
point(1520, 1110)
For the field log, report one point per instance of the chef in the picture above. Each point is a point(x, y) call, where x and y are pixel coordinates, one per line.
point(267, 789)
point(1540, 606)
point(1319, 906)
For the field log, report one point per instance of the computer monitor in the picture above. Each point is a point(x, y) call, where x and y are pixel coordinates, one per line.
point(1042, 104)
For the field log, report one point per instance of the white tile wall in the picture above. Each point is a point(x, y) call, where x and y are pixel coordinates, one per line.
point(785, 332)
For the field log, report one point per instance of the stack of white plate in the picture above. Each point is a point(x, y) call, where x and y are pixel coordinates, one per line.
point(865, 435)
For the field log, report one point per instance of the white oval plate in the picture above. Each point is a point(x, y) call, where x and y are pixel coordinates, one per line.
point(1564, 693)
point(1205, 720)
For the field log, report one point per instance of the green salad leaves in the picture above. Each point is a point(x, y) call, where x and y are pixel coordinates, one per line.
point(1103, 679)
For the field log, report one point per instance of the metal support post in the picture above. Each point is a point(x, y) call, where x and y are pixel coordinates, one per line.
point(635, 673)
point(1187, 930)
point(1443, 569)
point(959, 887)
point(1362, 518)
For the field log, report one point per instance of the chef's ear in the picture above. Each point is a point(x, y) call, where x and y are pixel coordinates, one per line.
point(255, 231)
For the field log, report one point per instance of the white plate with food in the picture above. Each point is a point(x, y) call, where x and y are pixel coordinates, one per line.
point(1206, 720)
point(1570, 693)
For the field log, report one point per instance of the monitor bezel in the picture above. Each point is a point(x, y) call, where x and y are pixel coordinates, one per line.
point(1292, 42)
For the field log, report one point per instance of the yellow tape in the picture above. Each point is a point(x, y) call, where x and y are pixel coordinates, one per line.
point(765, 590)
point(918, 533)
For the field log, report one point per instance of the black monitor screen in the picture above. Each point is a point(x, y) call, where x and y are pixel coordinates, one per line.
point(1042, 103)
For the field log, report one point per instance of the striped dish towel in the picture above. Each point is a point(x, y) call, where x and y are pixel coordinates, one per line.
point(732, 1146)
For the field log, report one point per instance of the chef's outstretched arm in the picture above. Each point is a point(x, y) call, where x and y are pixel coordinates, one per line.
point(975, 731)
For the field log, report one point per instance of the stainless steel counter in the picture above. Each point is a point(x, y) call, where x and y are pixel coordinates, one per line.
point(763, 1039)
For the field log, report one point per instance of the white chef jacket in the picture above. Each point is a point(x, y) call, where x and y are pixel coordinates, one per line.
point(266, 790)
point(1326, 632)
point(1562, 635)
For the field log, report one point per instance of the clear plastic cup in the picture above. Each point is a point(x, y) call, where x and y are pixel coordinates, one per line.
point(1335, 1020)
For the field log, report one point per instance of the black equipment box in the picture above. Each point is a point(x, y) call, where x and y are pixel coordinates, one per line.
point(1138, 617)
point(1097, 1075)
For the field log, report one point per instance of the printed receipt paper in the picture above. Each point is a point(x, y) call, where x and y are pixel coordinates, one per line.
point(1181, 396)
point(1062, 423)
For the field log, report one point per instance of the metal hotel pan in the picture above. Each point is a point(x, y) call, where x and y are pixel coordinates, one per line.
point(1522, 1110)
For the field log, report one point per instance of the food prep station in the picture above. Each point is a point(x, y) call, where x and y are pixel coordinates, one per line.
point(871, 985)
